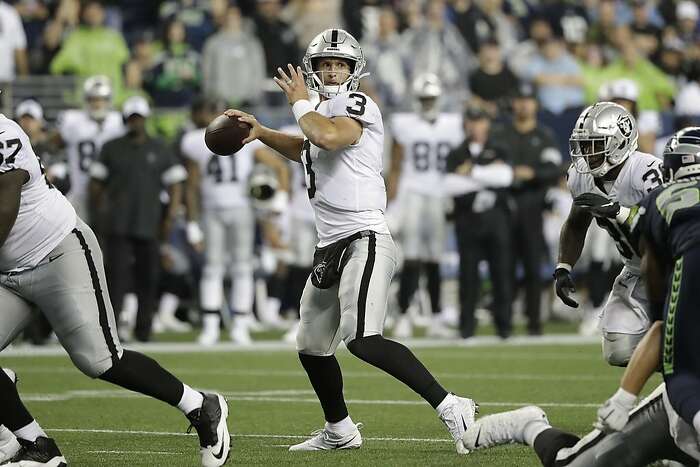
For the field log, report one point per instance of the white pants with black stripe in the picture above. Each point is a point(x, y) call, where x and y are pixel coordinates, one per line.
point(356, 305)
point(423, 227)
point(70, 289)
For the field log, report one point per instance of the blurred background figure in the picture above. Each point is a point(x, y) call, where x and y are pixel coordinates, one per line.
point(492, 83)
point(421, 142)
point(13, 53)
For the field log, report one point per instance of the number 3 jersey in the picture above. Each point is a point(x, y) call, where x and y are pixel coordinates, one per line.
point(346, 187)
point(45, 216)
point(639, 176)
point(84, 138)
point(426, 146)
point(224, 179)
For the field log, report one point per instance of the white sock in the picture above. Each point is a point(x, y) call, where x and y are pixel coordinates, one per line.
point(168, 304)
point(191, 400)
point(343, 427)
point(447, 401)
point(533, 429)
point(30, 432)
point(696, 422)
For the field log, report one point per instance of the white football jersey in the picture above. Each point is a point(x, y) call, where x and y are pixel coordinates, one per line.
point(224, 179)
point(426, 146)
point(299, 204)
point(640, 175)
point(84, 138)
point(346, 187)
point(45, 216)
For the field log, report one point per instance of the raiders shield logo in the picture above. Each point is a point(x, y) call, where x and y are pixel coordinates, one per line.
point(624, 123)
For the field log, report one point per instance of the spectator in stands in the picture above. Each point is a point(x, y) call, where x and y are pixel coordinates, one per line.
point(13, 44)
point(436, 46)
point(492, 83)
point(64, 21)
point(277, 37)
point(93, 49)
point(309, 17)
point(602, 30)
point(196, 17)
point(386, 62)
point(34, 14)
point(687, 15)
point(175, 76)
point(127, 179)
point(533, 152)
point(688, 99)
point(646, 34)
point(474, 24)
point(233, 56)
point(540, 31)
point(141, 62)
point(557, 76)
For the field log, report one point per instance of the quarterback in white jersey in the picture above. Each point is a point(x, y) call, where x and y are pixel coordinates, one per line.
point(83, 132)
point(346, 295)
point(606, 163)
point(50, 260)
point(422, 141)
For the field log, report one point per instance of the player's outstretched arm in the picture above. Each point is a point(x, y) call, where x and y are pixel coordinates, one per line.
point(289, 146)
point(571, 240)
point(10, 191)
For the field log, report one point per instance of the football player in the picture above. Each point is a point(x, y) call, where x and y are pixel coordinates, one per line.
point(217, 198)
point(606, 162)
point(83, 132)
point(346, 295)
point(422, 141)
point(50, 259)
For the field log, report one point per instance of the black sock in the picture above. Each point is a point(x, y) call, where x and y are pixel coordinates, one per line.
point(139, 373)
point(400, 363)
point(432, 270)
point(14, 415)
point(550, 442)
point(327, 381)
point(410, 276)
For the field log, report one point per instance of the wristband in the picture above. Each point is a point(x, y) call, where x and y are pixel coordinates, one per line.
point(566, 266)
point(301, 108)
point(622, 216)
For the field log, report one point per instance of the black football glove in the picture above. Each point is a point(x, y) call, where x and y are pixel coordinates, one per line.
point(597, 205)
point(564, 286)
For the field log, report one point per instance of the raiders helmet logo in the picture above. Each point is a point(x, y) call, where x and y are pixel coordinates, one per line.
point(624, 123)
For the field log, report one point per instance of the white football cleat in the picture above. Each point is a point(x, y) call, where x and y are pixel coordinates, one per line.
point(240, 330)
point(458, 415)
point(325, 440)
point(210, 423)
point(403, 328)
point(209, 336)
point(9, 446)
point(502, 428)
point(438, 329)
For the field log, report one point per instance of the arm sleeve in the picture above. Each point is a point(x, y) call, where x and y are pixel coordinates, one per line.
point(355, 105)
point(99, 168)
point(493, 175)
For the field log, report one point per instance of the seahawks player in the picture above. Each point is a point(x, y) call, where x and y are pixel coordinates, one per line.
point(422, 141)
point(50, 259)
point(346, 295)
point(217, 187)
point(83, 132)
point(606, 162)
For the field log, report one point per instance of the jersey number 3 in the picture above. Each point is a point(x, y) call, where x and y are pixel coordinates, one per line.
point(358, 107)
point(310, 175)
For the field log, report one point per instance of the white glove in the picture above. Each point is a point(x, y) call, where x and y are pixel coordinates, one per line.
point(194, 233)
point(614, 414)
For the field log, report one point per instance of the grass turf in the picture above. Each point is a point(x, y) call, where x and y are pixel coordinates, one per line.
point(272, 406)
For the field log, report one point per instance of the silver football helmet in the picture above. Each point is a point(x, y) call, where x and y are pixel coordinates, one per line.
point(335, 43)
point(427, 90)
point(97, 93)
point(604, 136)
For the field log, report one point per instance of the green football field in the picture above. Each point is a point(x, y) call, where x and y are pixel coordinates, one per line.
point(272, 405)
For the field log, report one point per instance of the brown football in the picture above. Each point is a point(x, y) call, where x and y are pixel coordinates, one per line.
point(225, 135)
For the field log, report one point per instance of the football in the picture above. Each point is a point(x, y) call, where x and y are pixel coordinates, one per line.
point(225, 135)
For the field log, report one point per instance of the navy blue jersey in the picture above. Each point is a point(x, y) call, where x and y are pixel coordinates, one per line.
point(669, 217)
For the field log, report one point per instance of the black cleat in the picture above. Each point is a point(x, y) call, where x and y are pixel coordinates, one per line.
point(210, 423)
point(42, 452)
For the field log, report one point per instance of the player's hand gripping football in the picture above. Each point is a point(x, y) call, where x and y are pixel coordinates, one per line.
point(597, 205)
point(614, 414)
point(564, 286)
point(255, 127)
point(293, 85)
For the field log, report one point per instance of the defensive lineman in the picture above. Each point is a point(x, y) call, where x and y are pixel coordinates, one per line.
point(49, 258)
point(422, 141)
point(606, 162)
point(345, 297)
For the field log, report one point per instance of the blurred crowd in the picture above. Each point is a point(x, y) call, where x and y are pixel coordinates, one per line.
point(181, 54)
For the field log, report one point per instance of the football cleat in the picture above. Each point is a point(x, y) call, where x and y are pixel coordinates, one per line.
point(403, 328)
point(9, 446)
point(458, 415)
point(210, 330)
point(240, 330)
point(42, 452)
point(502, 428)
point(437, 329)
point(326, 440)
point(210, 423)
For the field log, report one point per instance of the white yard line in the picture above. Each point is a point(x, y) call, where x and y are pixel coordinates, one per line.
point(160, 453)
point(275, 346)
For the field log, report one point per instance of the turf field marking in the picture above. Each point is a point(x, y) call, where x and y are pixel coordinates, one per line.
point(160, 453)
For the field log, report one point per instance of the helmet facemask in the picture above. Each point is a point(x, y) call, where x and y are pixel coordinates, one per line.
point(589, 154)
